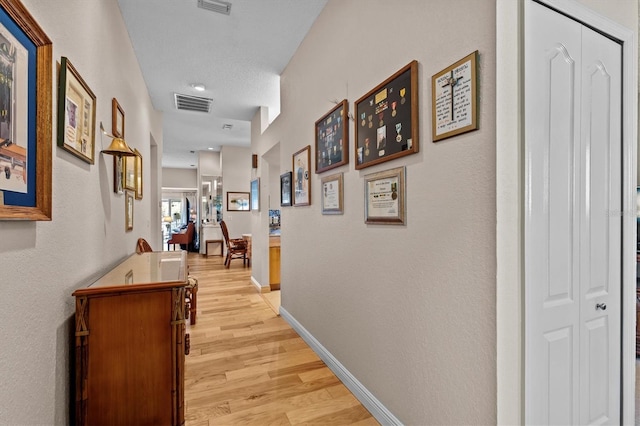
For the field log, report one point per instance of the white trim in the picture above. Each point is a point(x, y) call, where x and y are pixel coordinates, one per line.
point(257, 285)
point(509, 224)
point(367, 399)
point(629, 140)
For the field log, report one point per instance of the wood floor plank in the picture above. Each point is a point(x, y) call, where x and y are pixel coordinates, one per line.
point(247, 366)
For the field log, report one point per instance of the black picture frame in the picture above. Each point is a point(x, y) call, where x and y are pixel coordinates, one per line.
point(285, 189)
point(387, 119)
point(332, 138)
point(29, 159)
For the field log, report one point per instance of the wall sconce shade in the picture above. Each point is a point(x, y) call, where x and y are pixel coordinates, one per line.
point(119, 148)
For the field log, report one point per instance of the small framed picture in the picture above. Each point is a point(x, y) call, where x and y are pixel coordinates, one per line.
point(332, 138)
point(301, 182)
point(332, 194)
point(117, 119)
point(384, 196)
point(76, 114)
point(129, 172)
point(255, 194)
point(138, 174)
point(128, 211)
point(285, 189)
point(118, 174)
point(238, 201)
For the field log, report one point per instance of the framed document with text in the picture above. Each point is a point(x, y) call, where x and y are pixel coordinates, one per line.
point(384, 197)
point(454, 99)
point(332, 194)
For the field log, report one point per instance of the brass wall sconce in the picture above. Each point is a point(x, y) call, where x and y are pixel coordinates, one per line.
point(118, 147)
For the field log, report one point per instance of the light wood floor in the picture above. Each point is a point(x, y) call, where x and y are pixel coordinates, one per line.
point(248, 366)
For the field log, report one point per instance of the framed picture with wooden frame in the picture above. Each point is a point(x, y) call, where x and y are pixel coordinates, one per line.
point(332, 194)
point(332, 138)
point(387, 119)
point(25, 162)
point(301, 181)
point(117, 119)
point(128, 211)
point(454, 99)
point(76, 113)
point(138, 168)
point(384, 197)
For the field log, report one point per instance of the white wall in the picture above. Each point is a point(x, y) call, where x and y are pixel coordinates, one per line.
point(236, 177)
point(209, 164)
point(42, 263)
point(408, 310)
point(179, 178)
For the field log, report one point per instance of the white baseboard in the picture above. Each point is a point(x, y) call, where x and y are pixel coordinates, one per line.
point(258, 287)
point(365, 397)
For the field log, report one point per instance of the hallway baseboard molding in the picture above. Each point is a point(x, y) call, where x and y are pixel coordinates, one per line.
point(375, 407)
point(259, 288)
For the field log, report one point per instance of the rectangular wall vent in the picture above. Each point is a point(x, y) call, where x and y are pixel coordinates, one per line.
point(192, 103)
point(215, 6)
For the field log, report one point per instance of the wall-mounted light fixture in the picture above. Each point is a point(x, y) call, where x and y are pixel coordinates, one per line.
point(254, 161)
point(117, 147)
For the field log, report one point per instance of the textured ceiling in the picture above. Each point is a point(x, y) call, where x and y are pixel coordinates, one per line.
point(238, 57)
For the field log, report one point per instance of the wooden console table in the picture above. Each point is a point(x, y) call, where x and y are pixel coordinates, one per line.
point(131, 343)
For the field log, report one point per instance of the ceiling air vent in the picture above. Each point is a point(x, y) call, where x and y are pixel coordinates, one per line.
point(192, 103)
point(215, 6)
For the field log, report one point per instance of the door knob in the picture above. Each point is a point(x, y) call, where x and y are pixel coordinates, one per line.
point(601, 306)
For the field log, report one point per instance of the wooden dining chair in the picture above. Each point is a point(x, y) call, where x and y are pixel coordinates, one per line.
point(236, 247)
point(142, 246)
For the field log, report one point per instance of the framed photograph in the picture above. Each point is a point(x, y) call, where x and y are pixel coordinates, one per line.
point(129, 172)
point(332, 138)
point(454, 99)
point(285, 189)
point(117, 119)
point(128, 211)
point(301, 182)
point(138, 173)
point(384, 197)
point(255, 194)
point(332, 194)
point(238, 201)
point(76, 113)
point(118, 174)
point(25, 120)
point(387, 119)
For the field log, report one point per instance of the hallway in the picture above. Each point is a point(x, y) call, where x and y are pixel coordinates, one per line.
point(248, 366)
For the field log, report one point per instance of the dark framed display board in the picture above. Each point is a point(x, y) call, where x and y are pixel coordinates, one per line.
point(387, 119)
point(332, 138)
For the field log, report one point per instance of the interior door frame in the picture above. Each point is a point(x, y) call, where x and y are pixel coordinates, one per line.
point(511, 362)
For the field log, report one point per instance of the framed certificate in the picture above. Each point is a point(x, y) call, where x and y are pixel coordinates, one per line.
point(332, 194)
point(384, 197)
point(454, 99)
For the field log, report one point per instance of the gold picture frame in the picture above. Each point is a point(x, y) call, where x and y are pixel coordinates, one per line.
point(29, 159)
point(129, 172)
point(454, 99)
point(76, 113)
point(128, 211)
point(138, 173)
